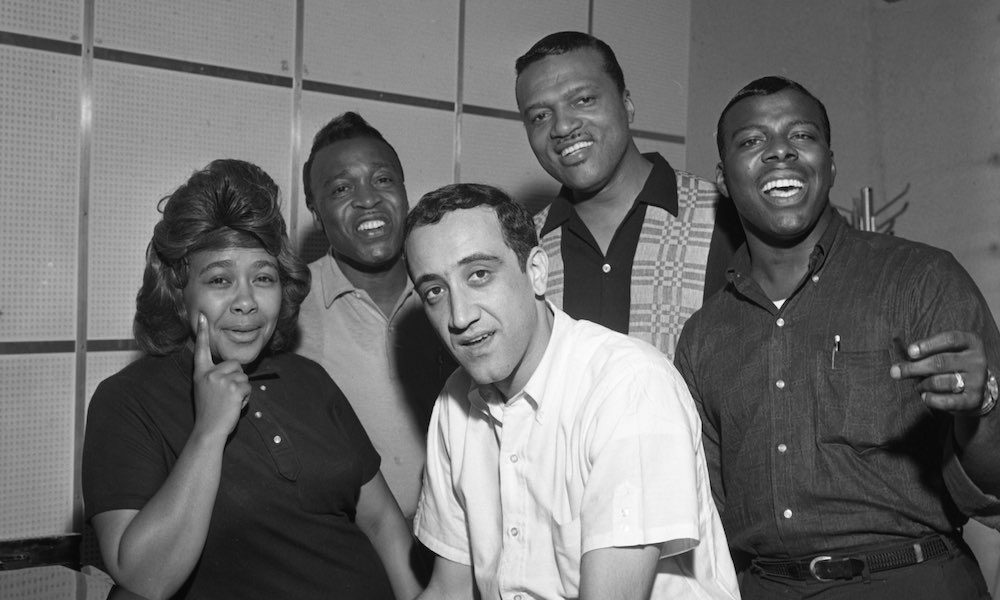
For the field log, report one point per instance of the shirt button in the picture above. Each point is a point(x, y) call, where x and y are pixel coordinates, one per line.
point(815, 278)
point(517, 596)
point(258, 414)
point(606, 268)
point(277, 439)
point(780, 322)
point(513, 531)
point(263, 388)
point(780, 384)
point(513, 458)
point(782, 448)
point(788, 513)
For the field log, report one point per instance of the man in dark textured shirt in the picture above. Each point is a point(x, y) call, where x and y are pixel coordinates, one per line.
point(843, 380)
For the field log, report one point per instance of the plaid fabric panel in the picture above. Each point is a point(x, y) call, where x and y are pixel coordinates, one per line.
point(668, 272)
point(552, 244)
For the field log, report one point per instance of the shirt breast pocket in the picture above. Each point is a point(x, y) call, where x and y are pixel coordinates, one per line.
point(859, 405)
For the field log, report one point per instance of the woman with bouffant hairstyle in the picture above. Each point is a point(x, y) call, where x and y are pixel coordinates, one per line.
point(219, 466)
point(230, 203)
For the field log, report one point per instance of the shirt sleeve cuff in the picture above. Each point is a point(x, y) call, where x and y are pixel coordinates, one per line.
point(971, 500)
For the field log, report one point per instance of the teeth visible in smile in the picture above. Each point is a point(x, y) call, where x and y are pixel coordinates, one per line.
point(575, 147)
point(369, 225)
point(782, 188)
point(476, 340)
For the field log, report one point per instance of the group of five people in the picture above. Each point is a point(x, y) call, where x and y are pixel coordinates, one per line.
point(826, 432)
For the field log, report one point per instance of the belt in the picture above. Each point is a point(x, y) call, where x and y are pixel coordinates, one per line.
point(833, 567)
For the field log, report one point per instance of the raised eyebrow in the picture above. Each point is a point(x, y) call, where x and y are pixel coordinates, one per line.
point(470, 259)
point(479, 257)
point(219, 264)
point(809, 122)
point(425, 279)
point(260, 264)
point(386, 165)
point(745, 128)
point(580, 89)
point(573, 91)
point(326, 181)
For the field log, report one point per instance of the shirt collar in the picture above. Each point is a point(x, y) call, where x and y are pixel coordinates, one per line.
point(835, 230)
point(335, 284)
point(489, 400)
point(660, 190)
point(265, 368)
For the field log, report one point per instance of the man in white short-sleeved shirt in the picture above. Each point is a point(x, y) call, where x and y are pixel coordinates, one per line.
point(564, 459)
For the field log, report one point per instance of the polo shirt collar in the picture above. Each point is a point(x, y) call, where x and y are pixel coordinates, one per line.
point(265, 368)
point(660, 190)
point(335, 284)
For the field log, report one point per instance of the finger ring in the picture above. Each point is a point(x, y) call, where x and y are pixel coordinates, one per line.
point(959, 383)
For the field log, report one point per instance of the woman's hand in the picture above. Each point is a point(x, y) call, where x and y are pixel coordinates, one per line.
point(220, 390)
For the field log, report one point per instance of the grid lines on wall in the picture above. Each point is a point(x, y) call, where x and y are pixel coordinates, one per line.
point(175, 85)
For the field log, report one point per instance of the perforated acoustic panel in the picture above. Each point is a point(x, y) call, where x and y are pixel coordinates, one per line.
point(421, 136)
point(254, 35)
point(39, 168)
point(651, 41)
point(152, 130)
point(36, 445)
point(399, 47)
point(498, 32)
point(57, 19)
point(50, 583)
point(496, 151)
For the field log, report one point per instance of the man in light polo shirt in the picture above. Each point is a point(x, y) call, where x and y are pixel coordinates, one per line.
point(361, 319)
point(564, 460)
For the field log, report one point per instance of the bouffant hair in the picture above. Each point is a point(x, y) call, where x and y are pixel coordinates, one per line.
point(228, 204)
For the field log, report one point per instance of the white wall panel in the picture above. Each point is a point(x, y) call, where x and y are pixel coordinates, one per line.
point(400, 47)
point(496, 152)
point(57, 19)
point(255, 35)
point(39, 171)
point(36, 445)
point(496, 33)
point(651, 41)
point(152, 129)
point(51, 583)
point(422, 137)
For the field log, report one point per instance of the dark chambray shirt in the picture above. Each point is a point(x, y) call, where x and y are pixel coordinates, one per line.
point(811, 448)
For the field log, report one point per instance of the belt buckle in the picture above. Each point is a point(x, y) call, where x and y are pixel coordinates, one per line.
point(812, 567)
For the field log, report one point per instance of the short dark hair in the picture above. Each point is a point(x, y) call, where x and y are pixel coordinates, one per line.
point(346, 126)
point(515, 222)
point(562, 42)
point(765, 86)
point(228, 204)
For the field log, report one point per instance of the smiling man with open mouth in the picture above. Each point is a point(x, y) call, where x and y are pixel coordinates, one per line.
point(577, 115)
point(362, 320)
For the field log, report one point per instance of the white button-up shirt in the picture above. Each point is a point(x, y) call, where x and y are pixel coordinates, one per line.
point(602, 448)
